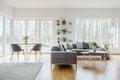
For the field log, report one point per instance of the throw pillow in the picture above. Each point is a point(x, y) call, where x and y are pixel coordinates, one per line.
point(74, 46)
point(90, 45)
point(69, 46)
point(61, 47)
point(79, 45)
point(64, 47)
point(85, 45)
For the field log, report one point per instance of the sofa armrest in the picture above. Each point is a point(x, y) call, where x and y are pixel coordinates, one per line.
point(63, 57)
point(55, 48)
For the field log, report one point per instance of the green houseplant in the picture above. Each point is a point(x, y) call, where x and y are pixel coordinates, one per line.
point(64, 30)
point(64, 39)
point(63, 22)
point(94, 46)
point(25, 38)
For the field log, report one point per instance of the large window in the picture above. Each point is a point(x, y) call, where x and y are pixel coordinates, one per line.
point(100, 30)
point(7, 36)
point(19, 30)
point(31, 25)
point(1, 35)
point(4, 36)
point(46, 33)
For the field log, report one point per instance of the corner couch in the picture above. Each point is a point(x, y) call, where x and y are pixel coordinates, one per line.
point(67, 53)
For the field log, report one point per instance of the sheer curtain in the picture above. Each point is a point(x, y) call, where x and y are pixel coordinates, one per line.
point(99, 30)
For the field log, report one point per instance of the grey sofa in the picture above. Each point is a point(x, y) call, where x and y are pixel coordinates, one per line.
point(63, 57)
point(72, 48)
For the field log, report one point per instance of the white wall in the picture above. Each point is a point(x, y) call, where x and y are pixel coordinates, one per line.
point(5, 9)
point(69, 13)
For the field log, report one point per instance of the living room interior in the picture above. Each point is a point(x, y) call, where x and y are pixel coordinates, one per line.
point(59, 40)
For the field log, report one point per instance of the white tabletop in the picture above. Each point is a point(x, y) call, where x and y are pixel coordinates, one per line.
point(28, 43)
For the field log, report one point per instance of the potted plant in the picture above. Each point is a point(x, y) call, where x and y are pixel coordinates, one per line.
point(58, 32)
point(64, 30)
point(63, 22)
point(64, 39)
point(94, 46)
point(25, 38)
point(70, 23)
point(70, 41)
point(58, 40)
point(58, 22)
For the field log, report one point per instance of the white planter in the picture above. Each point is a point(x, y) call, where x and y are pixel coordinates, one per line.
point(94, 49)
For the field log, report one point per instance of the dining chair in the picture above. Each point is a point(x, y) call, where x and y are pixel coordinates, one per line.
point(16, 48)
point(36, 48)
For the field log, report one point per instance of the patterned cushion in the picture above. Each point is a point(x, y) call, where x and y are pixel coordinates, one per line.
point(74, 46)
point(90, 45)
point(65, 49)
point(61, 47)
point(85, 45)
point(79, 45)
point(69, 46)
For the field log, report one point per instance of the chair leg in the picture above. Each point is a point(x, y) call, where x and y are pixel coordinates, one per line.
point(35, 55)
point(40, 53)
point(18, 56)
point(24, 54)
point(11, 56)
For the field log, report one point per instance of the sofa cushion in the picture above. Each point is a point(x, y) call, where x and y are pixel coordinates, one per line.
point(74, 46)
point(79, 45)
point(55, 48)
point(65, 49)
point(85, 45)
point(65, 46)
point(90, 45)
point(61, 47)
point(78, 50)
point(87, 50)
point(69, 46)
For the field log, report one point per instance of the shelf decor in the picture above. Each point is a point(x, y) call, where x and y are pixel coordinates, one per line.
point(63, 30)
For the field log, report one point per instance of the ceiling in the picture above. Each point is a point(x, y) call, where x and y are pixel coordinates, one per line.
point(63, 3)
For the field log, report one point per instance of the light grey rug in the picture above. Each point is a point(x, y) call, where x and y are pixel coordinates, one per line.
point(19, 71)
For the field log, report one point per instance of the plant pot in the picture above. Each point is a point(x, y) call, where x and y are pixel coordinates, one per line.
point(94, 49)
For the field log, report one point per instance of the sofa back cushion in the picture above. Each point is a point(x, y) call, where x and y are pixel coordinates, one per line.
point(85, 45)
point(64, 47)
point(69, 46)
point(90, 45)
point(61, 47)
point(74, 46)
point(79, 45)
point(55, 48)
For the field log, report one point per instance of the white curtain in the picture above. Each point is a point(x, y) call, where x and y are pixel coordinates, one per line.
point(99, 30)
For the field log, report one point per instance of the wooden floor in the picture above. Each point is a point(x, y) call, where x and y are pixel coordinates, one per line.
point(86, 70)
